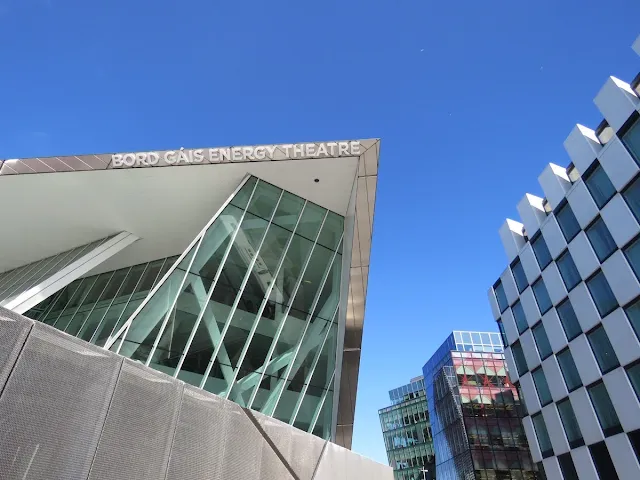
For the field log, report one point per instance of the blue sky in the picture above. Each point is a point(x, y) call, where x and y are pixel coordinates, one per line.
point(471, 100)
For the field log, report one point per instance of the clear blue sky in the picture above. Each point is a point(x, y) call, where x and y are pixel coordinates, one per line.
point(471, 100)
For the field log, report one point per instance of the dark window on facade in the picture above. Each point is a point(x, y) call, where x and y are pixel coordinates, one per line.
point(632, 195)
point(602, 461)
point(567, 467)
point(519, 317)
point(570, 423)
point(603, 350)
point(602, 295)
point(542, 341)
point(604, 408)
point(632, 252)
point(568, 270)
point(631, 140)
point(634, 377)
point(503, 335)
point(501, 297)
point(633, 313)
point(542, 296)
point(600, 186)
point(569, 320)
point(540, 381)
point(634, 438)
point(541, 251)
point(542, 475)
point(519, 276)
point(569, 370)
point(601, 240)
point(568, 222)
point(543, 435)
point(518, 357)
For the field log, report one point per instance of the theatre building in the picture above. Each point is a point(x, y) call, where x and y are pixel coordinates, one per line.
point(237, 274)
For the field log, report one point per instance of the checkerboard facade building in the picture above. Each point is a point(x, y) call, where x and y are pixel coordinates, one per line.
point(568, 304)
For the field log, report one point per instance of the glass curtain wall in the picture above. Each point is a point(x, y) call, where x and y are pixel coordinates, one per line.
point(250, 312)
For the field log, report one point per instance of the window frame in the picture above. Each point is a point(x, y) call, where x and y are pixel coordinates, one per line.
point(559, 211)
point(540, 373)
point(602, 312)
point(590, 229)
point(589, 175)
point(533, 288)
point(562, 371)
point(564, 255)
point(518, 263)
point(540, 327)
point(577, 442)
point(564, 328)
point(534, 242)
point(607, 431)
point(589, 334)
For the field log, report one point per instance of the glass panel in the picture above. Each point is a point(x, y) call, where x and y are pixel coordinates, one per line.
point(288, 211)
point(518, 356)
point(603, 350)
point(241, 198)
point(602, 295)
point(568, 271)
point(633, 313)
point(569, 370)
point(264, 200)
point(501, 297)
point(323, 423)
point(519, 316)
point(543, 436)
point(602, 461)
point(541, 251)
point(567, 467)
point(74, 303)
point(542, 341)
point(331, 231)
point(570, 423)
point(634, 377)
point(601, 240)
point(51, 317)
point(569, 320)
point(542, 296)
point(568, 223)
point(632, 196)
point(631, 140)
point(541, 385)
point(600, 186)
point(632, 253)
point(519, 276)
point(311, 220)
point(604, 408)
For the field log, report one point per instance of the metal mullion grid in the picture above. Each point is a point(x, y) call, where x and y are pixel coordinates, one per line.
point(314, 305)
point(173, 304)
point(312, 370)
point(96, 302)
point(65, 255)
point(68, 302)
point(47, 310)
point(263, 305)
point(124, 281)
point(232, 311)
point(219, 273)
point(178, 260)
point(292, 298)
point(8, 276)
point(321, 403)
point(84, 297)
point(37, 274)
point(6, 293)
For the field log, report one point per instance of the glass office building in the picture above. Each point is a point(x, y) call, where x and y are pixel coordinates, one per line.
point(475, 411)
point(407, 432)
point(243, 275)
point(569, 300)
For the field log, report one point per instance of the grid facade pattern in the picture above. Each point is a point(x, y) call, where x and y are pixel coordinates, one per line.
point(75, 411)
point(568, 306)
point(475, 413)
point(407, 432)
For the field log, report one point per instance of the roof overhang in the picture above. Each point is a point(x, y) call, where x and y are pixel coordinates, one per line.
point(53, 204)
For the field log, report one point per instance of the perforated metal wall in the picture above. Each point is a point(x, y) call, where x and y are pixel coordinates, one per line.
point(72, 411)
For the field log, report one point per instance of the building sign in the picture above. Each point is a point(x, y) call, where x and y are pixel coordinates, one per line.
point(236, 154)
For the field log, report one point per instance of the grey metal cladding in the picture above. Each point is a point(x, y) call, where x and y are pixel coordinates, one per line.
point(243, 448)
point(136, 439)
point(15, 329)
point(53, 407)
point(333, 464)
point(199, 442)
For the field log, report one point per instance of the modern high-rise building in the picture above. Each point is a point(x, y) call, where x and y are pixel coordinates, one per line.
point(241, 271)
point(475, 411)
point(407, 432)
point(568, 304)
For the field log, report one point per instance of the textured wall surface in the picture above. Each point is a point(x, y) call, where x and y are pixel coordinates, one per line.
point(70, 410)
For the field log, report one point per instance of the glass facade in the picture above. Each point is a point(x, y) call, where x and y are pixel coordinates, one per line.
point(475, 411)
point(249, 311)
point(407, 433)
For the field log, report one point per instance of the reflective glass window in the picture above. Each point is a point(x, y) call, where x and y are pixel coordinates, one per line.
point(631, 140)
point(502, 333)
point(542, 296)
point(569, 320)
point(632, 196)
point(601, 240)
point(634, 376)
point(544, 394)
point(541, 251)
point(520, 317)
point(501, 297)
point(569, 370)
point(570, 423)
point(567, 466)
point(544, 441)
point(518, 357)
point(603, 350)
point(632, 252)
point(604, 408)
point(568, 222)
point(600, 186)
point(602, 461)
point(542, 341)
point(602, 295)
point(633, 314)
point(519, 276)
point(568, 270)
